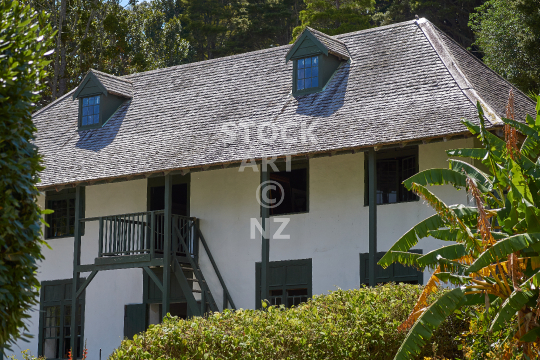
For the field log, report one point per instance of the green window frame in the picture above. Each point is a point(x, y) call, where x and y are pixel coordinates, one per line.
point(307, 80)
point(393, 167)
point(295, 185)
point(62, 220)
point(90, 112)
point(307, 73)
point(55, 319)
point(290, 282)
point(394, 273)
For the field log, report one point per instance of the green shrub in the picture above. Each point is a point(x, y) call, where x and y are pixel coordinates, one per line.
point(24, 39)
point(353, 324)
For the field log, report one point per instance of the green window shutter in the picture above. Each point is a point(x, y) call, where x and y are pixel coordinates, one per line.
point(134, 319)
point(290, 282)
point(394, 273)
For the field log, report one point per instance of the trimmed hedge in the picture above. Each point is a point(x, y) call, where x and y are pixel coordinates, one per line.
point(353, 324)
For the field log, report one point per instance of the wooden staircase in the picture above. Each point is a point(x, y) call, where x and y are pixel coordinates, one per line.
point(179, 269)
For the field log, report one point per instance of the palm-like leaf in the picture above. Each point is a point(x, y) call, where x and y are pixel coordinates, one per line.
point(515, 302)
point(428, 322)
point(483, 180)
point(477, 154)
point(404, 258)
point(411, 237)
point(451, 252)
point(502, 249)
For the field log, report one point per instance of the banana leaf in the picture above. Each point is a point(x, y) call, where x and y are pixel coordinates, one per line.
point(428, 322)
point(451, 252)
point(411, 237)
point(516, 301)
point(437, 177)
point(483, 181)
point(477, 154)
point(453, 279)
point(502, 249)
point(404, 258)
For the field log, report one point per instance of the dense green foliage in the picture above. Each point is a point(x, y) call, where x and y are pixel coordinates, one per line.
point(151, 34)
point(508, 32)
point(334, 17)
point(24, 38)
point(354, 324)
point(495, 259)
point(451, 16)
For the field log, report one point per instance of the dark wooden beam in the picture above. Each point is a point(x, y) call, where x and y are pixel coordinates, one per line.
point(167, 247)
point(372, 214)
point(76, 263)
point(265, 248)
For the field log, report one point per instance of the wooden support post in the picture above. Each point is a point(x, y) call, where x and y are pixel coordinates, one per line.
point(167, 247)
point(265, 251)
point(76, 263)
point(372, 215)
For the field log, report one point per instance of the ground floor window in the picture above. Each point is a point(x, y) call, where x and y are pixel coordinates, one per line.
point(55, 319)
point(290, 282)
point(394, 273)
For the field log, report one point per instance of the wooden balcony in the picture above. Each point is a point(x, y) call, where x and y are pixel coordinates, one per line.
point(138, 239)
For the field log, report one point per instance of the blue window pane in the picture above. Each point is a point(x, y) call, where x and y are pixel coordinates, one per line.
point(314, 82)
point(308, 72)
point(315, 60)
point(91, 101)
point(97, 99)
point(85, 101)
point(84, 120)
point(300, 85)
point(308, 83)
point(90, 110)
point(301, 63)
point(315, 71)
point(301, 74)
point(85, 111)
point(96, 109)
point(308, 62)
point(96, 119)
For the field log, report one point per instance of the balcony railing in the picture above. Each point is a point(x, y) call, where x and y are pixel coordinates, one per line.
point(143, 233)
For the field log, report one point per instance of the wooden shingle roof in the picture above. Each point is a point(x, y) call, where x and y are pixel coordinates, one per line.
point(403, 82)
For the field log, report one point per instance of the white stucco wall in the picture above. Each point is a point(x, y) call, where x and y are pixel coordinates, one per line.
point(110, 290)
point(332, 234)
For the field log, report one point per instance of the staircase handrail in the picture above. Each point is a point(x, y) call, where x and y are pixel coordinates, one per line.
point(226, 295)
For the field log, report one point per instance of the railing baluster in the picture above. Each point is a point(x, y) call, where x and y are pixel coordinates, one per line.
point(100, 240)
point(152, 233)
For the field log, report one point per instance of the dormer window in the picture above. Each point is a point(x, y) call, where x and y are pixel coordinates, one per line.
point(90, 110)
point(100, 95)
point(316, 57)
point(308, 73)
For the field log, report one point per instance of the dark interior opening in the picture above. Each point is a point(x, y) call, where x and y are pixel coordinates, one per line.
point(179, 199)
point(294, 185)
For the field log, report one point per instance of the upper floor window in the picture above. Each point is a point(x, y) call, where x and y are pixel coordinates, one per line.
point(90, 110)
point(307, 73)
point(393, 167)
point(62, 220)
point(291, 190)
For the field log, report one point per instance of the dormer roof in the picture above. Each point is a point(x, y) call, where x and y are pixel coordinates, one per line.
point(105, 84)
point(325, 43)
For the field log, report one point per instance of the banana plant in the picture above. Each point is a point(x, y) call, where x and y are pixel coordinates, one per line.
point(493, 255)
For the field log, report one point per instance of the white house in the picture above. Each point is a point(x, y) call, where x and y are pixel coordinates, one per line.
point(158, 198)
